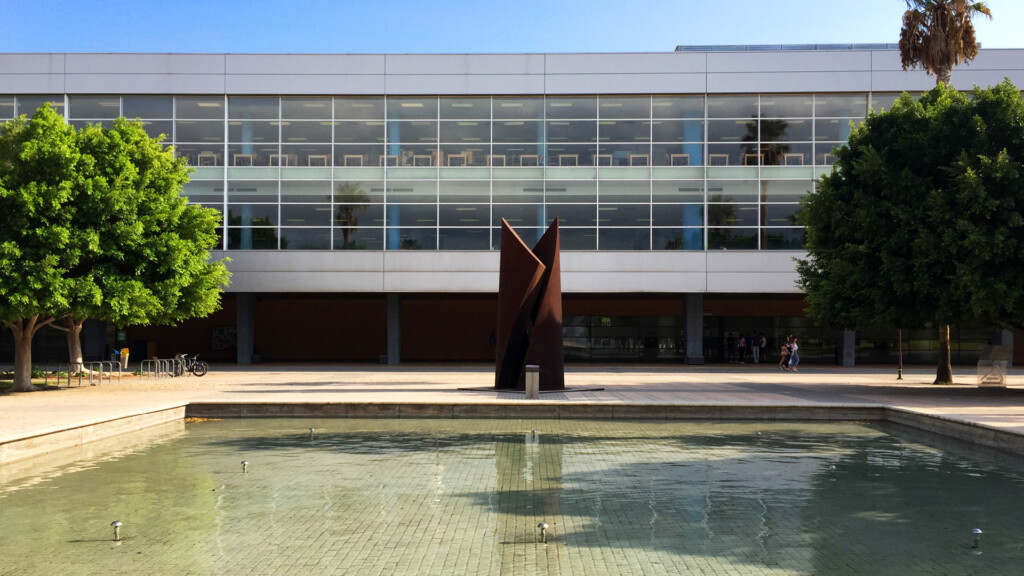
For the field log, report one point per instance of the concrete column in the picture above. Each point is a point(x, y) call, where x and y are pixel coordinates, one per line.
point(694, 328)
point(1004, 338)
point(846, 348)
point(94, 340)
point(245, 326)
point(394, 328)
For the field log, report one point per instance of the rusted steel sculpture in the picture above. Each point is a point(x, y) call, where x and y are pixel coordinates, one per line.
point(529, 311)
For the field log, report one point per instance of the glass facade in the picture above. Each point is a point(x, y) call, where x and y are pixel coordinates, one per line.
point(651, 172)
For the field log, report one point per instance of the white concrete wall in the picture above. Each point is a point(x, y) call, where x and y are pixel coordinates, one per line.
point(477, 272)
point(616, 73)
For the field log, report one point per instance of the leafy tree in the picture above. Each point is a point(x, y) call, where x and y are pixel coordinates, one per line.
point(939, 34)
point(922, 219)
point(38, 251)
point(136, 252)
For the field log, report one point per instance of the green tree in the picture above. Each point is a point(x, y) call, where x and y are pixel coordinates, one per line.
point(920, 221)
point(939, 34)
point(132, 251)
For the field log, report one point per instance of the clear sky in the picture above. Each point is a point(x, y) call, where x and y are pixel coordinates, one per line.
point(457, 26)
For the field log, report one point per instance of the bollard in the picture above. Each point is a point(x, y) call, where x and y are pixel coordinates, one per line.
point(532, 382)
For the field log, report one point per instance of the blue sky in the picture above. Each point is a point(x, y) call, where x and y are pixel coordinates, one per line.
point(451, 26)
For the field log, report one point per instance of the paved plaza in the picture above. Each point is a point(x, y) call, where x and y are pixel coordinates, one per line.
point(33, 414)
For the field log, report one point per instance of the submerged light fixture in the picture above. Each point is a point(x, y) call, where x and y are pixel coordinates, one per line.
point(117, 530)
point(977, 538)
point(245, 466)
point(543, 532)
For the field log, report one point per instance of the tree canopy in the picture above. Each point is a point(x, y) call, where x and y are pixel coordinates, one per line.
point(921, 220)
point(97, 228)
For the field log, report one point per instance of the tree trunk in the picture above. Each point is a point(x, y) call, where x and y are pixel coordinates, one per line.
point(24, 329)
point(73, 331)
point(942, 76)
point(944, 370)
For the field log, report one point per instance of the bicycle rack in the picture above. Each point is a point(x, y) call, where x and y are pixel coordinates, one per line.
point(158, 367)
point(72, 370)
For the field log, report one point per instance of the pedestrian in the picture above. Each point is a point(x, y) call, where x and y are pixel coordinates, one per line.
point(784, 355)
point(794, 357)
point(730, 347)
point(755, 348)
point(741, 348)
point(763, 345)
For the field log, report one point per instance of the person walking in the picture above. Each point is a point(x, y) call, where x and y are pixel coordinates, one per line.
point(794, 357)
point(741, 348)
point(755, 347)
point(784, 354)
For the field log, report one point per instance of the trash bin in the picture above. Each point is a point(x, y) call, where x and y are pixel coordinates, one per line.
point(124, 358)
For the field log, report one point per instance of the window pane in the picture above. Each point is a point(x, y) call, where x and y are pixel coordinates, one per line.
point(252, 238)
point(468, 154)
point(625, 107)
point(732, 106)
point(306, 108)
point(678, 131)
point(465, 131)
point(359, 108)
point(788, 154)
point(28, 105)
point(204, 191)
point(252, 214)
point(147, 106)
point(678, 214)
point(571, 214)
point(779, 106)
point(624, 239)
point(779, 214)
point(624, 130)
point(678, 154)
point(618, 215)
point(625, 191)
point(6, 107)
point(464, 239)
point(199, 107)
point(678, 238)
point(352, 192)
point(412, 108)
point(305, 238)
point(832, 105)
point(571, 191)
point(835, 129)
point(881, 101)
point(457, 108)
point(518, 131)
point(578, 238)
point(464, 214)
point(412, 191)
point(678, 191)
point(785, 190)
point(305, 191)
point(358, 238)
point(412, 238)
point(352, 215)
point(303, 155)
point(531, 191)
point(155, 128)
point(785, 130)
point(566, 131)
point(784, 238)
point(416, 132)
point(732, 131)
point(253, 131)
point(572, 107)
point(252, 191)
point(733, 215)
point(732, 238)
point(517, 108)
point(199, 131)
point(247, 107)
point(678, 107)
point(733, 190)
point(305, 131)
point(305, 214)
point(519, 154)
point(466, 191)
point(518, 215)
point(366, 131)
point(94, 107)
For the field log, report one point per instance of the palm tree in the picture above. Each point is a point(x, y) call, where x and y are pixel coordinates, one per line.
point(939, 34)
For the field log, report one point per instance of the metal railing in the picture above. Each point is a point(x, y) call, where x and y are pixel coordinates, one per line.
point(68, 371)
point(159, 367)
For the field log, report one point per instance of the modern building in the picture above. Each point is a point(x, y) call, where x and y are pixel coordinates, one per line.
point(362, 195)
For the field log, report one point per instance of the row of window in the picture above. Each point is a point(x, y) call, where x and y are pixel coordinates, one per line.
point(498, 191)
point(604, 239)
point(475, 215)
point(216, 107)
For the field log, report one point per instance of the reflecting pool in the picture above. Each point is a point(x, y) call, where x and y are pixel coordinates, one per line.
point(466, 496)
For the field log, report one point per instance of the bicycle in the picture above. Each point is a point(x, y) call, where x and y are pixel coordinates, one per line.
point(185, 363)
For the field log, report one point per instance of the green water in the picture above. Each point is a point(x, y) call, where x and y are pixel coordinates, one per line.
point(465, 497)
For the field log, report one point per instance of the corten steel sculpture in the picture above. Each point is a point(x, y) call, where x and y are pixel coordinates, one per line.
point(529, 311)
